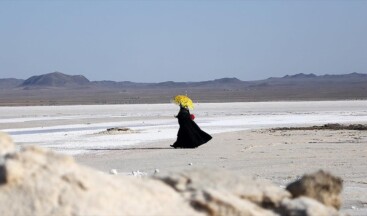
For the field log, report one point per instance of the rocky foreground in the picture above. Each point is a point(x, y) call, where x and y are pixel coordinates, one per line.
point(36, 181)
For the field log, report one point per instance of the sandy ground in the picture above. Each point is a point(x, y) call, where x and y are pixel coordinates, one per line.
point(280, 156)
point(241, 142)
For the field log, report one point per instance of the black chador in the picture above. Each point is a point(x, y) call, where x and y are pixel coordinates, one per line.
point(189, 135)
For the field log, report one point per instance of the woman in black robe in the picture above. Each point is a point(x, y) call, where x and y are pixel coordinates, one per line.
point(189, 135)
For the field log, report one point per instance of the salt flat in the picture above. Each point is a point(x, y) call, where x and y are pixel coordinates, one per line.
point(241, 141)
point(74, 129)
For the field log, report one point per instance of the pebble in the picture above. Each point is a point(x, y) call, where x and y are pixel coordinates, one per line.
point(113, 171)
point(190, 164)
point(138, 173)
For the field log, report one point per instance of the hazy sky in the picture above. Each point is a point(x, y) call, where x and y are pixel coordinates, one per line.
point(153, 41)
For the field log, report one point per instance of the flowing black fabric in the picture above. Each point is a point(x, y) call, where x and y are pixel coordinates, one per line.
point(189, 135)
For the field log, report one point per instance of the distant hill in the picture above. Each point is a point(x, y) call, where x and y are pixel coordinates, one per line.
point(60, 80)
point(302, 76)
point(55, 79)
point(346, 80)
point(10, 83)
point(168, 84)
point(60, 89)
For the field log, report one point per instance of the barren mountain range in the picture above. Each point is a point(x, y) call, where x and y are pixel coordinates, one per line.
point(62, 89)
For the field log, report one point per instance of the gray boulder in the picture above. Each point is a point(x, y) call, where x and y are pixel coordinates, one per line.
point(226, 193)
point(304, 206)
point(6, 144)
point(321, 186)
point(40, 182)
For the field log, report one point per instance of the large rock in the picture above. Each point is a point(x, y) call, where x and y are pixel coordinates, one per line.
point(321, 186)
point(305, 206)
point(6, 144)
point(35, 181)
point(227, 193)
point(40, 182)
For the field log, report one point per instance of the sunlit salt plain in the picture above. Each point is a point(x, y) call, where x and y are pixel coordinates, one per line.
point(76, 129)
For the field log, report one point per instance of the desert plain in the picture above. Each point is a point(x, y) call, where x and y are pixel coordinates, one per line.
point(244, 139)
